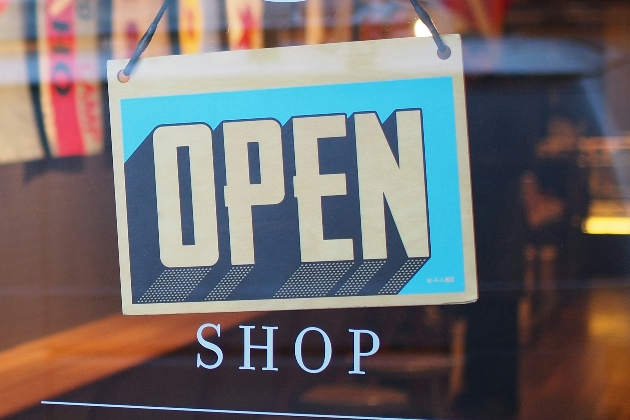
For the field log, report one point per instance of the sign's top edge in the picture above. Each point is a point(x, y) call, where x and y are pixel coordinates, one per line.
point(347, 62)
point(330, 46)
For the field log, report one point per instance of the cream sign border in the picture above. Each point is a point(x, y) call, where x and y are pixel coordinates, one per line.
point(353, 62)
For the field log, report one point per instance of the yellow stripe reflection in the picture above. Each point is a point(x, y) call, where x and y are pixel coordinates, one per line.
point(607, 226)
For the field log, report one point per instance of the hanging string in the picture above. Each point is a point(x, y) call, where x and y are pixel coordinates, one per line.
point(124, 75)
point(444, 51)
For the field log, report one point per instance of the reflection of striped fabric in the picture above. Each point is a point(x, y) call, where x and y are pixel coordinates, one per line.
point(315, 31)
point(190, 23)
point(199, 26)
point(245, 24)
point(69, 89)
point(19, 139)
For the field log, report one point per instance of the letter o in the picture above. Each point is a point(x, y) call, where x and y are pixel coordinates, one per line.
point(327, 350)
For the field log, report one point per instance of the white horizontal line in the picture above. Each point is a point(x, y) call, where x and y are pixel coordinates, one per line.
point(212, 410)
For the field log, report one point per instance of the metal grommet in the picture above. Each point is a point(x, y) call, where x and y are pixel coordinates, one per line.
point(122, 77)
point(445, 53)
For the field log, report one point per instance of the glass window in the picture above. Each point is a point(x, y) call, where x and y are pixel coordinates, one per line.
point(547, 88)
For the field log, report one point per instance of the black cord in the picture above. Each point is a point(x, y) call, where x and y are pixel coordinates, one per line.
point(125, 74)
point(444, 51)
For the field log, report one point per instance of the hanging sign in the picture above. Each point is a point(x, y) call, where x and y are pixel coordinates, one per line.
point(317, 176)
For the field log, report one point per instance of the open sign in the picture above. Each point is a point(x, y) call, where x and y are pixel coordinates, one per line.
point(260, 187)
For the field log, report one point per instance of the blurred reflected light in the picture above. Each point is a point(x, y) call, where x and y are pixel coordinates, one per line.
point(609, 326)
point(606, 225)
point(609, 316)
point(420, 29)
point(607, 160)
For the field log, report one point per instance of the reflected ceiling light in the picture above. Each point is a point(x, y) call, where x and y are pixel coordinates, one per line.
point(420, 29)
point(601, 225)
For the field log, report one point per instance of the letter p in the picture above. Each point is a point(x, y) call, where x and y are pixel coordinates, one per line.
point(357, 354)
